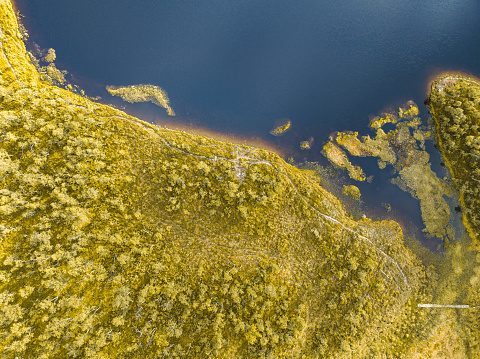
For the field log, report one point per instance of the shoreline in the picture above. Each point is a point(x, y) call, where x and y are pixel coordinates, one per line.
point(14, 5)
point(253, 141)
point(180, 125)
point(446, 73)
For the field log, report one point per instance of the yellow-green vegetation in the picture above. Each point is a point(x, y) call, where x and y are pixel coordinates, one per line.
point(404, 148)
point(43, 60)
point(50, 56)
point(378, 122)
point(455, 105)
point(451, 333)
point(339, 158)
point(281, 127)
point(378, 147)
point(119, 239)
point(410, 111)
point(143, 93)
point(352, 191)
point(306, 145)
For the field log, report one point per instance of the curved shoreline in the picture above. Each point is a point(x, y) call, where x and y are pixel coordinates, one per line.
point(437, 76)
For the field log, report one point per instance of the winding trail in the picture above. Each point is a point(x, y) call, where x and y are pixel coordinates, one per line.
point(5, 55)
point(256, 161)
point(251, 161)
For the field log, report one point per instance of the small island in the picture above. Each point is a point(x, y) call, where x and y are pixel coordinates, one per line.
point(306, 145)
point(281, 126)
point(143, 93)
point(352, 191)
point(339, 159)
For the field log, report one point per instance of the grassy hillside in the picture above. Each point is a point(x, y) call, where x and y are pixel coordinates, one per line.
point(121, 239)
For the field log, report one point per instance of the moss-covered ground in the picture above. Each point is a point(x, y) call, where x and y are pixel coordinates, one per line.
point(455, 105)
point(454, 102)
point(121, 239)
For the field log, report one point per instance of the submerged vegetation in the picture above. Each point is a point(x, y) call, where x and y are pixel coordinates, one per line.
point(306, 145)
point(281, 126)
point(339, 159)
point(44, 63)
point(404, 149)
point(143, 93)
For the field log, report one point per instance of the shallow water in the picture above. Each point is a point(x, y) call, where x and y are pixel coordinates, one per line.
point(237, 67)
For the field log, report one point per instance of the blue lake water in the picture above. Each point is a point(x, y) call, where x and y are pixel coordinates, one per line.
point(237, 66)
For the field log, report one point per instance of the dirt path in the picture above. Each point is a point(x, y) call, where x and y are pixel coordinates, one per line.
point(5, 56)
point(241, 173)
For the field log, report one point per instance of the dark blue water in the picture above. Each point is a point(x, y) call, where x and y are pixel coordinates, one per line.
point(237, 66)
